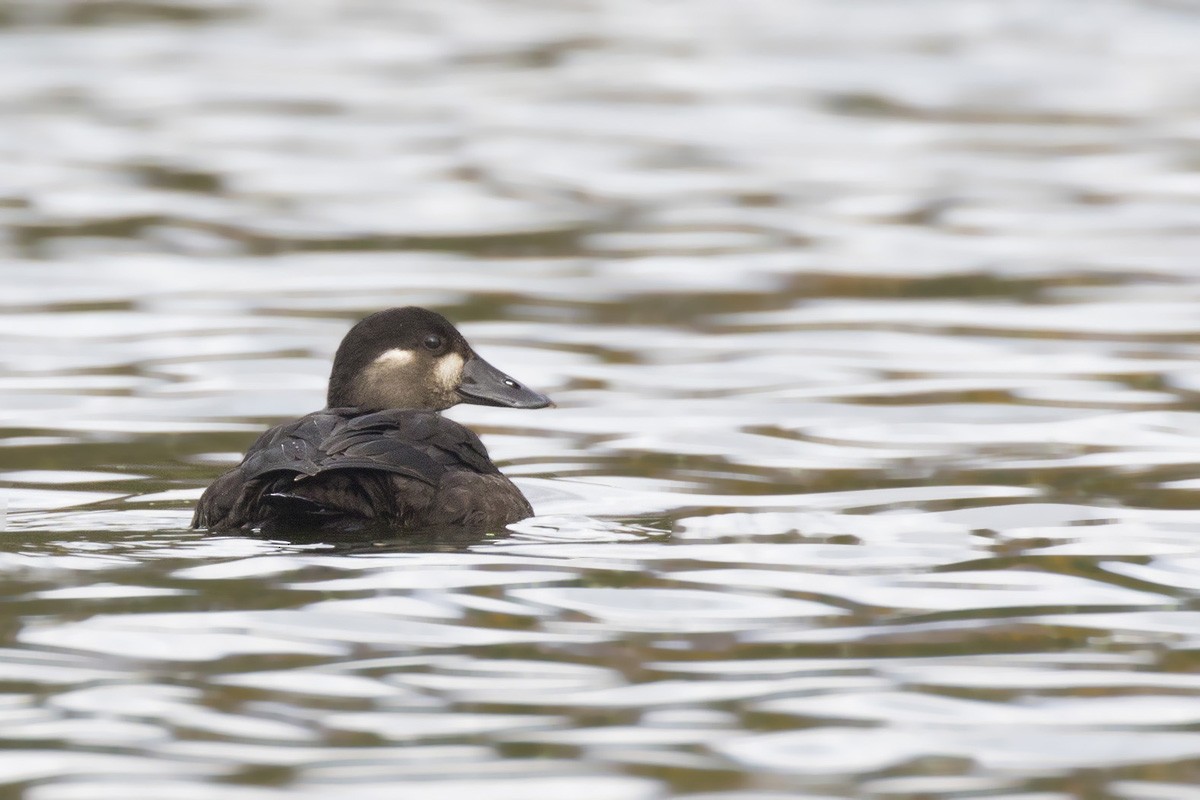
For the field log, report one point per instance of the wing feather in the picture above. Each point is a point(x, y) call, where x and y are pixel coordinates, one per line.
point(315, 460)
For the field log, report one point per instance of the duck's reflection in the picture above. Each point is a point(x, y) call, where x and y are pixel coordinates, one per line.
point(381, 538)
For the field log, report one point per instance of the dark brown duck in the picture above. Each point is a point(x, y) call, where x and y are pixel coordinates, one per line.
point(380, 454)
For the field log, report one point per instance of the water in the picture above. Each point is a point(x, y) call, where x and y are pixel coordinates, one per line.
point(874, 333)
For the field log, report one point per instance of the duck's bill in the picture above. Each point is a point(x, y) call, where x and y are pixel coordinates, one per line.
point(484, 385)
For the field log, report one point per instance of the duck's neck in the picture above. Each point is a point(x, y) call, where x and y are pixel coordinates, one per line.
point(376, 389)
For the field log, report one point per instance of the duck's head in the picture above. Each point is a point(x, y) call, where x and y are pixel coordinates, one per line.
point(414, 358)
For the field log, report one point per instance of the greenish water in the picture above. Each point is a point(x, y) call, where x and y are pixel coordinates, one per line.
point(873, 329)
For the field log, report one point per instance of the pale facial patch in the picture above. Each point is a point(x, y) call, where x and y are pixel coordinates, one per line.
point(449, 371)
point(380, 386)
point(400, 378)
point(396, 357)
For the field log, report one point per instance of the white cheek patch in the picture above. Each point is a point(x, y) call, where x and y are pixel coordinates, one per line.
point(378, 382)
point(449, 371)
point(397, 357)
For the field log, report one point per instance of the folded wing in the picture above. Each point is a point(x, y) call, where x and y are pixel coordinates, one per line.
point(338, 464)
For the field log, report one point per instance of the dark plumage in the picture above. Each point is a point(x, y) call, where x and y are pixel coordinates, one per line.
point(380, 454)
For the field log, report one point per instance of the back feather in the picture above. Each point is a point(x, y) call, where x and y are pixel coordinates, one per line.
point(339, 463)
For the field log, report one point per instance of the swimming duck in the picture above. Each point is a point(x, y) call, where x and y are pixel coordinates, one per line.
point(380, 453)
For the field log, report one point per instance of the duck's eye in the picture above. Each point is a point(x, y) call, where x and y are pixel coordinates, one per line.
point(433, 342)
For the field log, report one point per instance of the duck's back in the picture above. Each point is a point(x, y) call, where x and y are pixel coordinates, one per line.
point(341, 467)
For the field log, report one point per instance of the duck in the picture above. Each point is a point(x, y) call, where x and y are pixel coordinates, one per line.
point(380, 454)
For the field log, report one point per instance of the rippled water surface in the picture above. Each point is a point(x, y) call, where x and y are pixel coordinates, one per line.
point(874, 329)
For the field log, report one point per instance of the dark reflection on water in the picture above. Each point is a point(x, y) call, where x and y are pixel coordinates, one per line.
point(874, 332)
